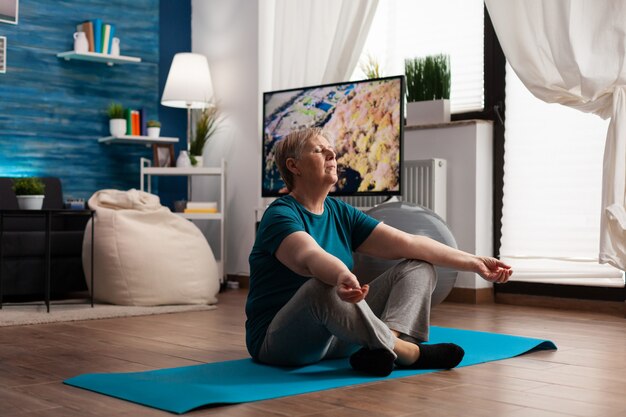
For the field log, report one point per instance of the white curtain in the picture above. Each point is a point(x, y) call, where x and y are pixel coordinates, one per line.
point(313, 41)
point(551, 191)
point(572, 52)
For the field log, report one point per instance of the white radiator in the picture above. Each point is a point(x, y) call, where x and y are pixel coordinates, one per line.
point(423, 183)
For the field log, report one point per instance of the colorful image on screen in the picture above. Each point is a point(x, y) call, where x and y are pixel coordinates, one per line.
point(364, 122)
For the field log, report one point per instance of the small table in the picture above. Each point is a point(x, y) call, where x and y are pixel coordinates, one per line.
point(48, 215)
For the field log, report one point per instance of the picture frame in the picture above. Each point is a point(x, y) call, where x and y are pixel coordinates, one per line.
point(9, 11)
point(3, 54)
point(163, 155)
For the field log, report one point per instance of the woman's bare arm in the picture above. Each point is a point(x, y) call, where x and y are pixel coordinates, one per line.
point(301, 253)
point(390, 243)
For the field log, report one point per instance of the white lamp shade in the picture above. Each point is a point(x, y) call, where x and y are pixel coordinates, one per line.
point(188, 83)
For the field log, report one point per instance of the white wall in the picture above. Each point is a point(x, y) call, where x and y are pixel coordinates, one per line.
point(226, 33)
point(468, 149)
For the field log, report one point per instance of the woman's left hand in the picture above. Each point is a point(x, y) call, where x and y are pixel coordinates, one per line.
point(493, 270)
point(349, 289)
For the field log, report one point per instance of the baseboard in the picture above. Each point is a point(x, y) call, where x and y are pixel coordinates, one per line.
point(578, 292)
point(243, 280)
point(470, 295)
point(617, 308)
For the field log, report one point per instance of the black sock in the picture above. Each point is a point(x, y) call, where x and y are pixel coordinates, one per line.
point(438, 356)
point(377, 362)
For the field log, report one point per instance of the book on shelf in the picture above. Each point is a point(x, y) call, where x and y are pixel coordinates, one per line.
point(200, 211)
point(97, 35)
point(106, 35)
point(129, 122)
point(142, 119)
point(202, 205)
point(87, 27)
point(136, 123)
point(111, 36)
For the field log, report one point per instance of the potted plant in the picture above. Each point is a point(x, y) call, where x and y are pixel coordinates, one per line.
point(154, 128)
point(427, 89)
point(205, 128)
point(371, 68)
point(117, 122)
point(29, 192)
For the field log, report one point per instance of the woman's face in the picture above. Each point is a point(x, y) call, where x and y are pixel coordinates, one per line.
point(317, 163)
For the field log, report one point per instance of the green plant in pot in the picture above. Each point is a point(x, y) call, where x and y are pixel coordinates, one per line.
point(206, 126)
point(29, 192)
point(428, 80)
point(117, 121)
point(153, 128)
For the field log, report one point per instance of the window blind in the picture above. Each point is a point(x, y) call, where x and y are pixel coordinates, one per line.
point(552, 191)
point(414, 28)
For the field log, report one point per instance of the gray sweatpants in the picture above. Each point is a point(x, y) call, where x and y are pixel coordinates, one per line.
point(316, 324)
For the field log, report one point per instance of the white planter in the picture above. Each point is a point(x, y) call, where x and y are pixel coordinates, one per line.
point(30, 202)
point(154, 132)
point(117, 127)
point(199, 163)
point(428, 112)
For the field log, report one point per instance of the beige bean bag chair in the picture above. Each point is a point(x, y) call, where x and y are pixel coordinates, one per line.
point(145, 255)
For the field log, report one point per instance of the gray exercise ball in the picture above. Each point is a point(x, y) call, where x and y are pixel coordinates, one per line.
point(416, 220)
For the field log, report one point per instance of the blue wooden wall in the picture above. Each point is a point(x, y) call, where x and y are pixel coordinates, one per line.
point(175, 28)
point(52, 111)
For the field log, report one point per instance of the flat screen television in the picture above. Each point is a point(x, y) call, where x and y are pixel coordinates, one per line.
point(364, 120)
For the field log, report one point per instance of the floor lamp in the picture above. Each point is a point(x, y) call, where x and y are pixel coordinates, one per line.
point(188, 86)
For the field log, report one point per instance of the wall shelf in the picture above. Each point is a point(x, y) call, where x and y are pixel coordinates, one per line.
point(201, 216)
point(136, 140)
point(98, 57)
point(176, 171)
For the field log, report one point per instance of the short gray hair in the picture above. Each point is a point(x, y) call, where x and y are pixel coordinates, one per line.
point(291, 146)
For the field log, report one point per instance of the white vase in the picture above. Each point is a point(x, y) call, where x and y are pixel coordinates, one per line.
point(30, 202)
point(117, 127)
point(154, 132)
point(115, 47)
point(428, 112)
point(80, 43)
point(183, 160)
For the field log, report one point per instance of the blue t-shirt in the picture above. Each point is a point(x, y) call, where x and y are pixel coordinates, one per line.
point(339, 231)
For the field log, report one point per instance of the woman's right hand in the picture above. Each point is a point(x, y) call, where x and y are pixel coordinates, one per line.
point(349, 289)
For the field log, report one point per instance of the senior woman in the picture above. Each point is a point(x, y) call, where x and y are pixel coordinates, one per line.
point(305, 304)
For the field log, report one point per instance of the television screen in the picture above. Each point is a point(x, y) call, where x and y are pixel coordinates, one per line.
point(364, 120)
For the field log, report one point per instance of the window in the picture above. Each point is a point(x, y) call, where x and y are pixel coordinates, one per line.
point(410, 28)
point(552, 191)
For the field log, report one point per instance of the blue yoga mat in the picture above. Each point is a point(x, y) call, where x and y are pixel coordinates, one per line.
point(180, 390)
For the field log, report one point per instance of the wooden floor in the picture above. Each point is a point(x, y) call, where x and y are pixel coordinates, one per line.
point(585, 377)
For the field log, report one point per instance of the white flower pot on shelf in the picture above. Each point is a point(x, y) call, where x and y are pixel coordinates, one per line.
point(30, 202)
point(117, 127)
point(199, 163)
point(428, 112)
point(154, 132)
